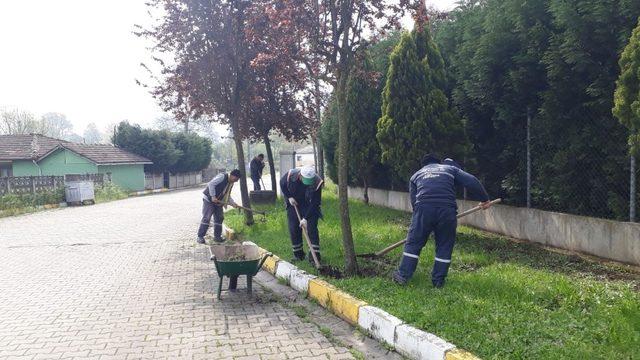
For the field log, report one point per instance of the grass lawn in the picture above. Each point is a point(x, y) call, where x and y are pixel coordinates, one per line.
point(502, 299)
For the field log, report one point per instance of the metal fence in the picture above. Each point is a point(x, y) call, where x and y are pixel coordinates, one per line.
point(587, 172)
point(171, 181)
point(34, 184)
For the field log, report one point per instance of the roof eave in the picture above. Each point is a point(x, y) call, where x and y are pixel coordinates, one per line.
point(127, 163)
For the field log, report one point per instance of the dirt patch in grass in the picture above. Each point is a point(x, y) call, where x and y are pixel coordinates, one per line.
point(330, 271)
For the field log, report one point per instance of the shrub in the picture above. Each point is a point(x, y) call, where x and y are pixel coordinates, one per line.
point(109, 192)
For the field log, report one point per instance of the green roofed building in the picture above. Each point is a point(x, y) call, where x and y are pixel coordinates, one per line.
point(33, 155)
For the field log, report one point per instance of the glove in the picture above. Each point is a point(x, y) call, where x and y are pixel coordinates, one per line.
point(303, 223)
point(293, 201)
point(485, 205)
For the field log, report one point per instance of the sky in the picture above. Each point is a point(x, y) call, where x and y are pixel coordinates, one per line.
point(80, 58)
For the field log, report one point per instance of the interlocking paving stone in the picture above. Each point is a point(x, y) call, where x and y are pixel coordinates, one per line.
point(126, 280)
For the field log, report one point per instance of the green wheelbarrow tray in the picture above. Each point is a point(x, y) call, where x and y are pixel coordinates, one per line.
point(235, 260)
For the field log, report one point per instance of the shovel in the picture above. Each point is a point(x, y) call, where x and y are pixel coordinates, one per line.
point(263, 213)
point(306, 236)
point(399, 243)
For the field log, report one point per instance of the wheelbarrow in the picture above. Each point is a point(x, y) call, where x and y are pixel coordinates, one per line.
point(235, 260)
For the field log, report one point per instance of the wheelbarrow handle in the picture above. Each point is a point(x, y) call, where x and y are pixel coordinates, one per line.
point(264, 258)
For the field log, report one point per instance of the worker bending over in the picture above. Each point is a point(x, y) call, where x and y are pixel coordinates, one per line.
point(216, 195)
point(433, 199)
point(302, 188)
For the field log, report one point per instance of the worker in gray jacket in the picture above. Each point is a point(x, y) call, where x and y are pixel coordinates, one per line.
point(216, 195)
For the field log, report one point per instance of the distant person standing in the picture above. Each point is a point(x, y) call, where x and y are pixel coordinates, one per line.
point(214, 197)
point(256, 166)
point(433, 199)
point(302, 189)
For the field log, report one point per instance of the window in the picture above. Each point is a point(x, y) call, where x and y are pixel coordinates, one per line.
point(5, 170)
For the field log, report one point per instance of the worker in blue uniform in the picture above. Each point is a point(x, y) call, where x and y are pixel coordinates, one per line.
point(302, 188)
point(433, 199)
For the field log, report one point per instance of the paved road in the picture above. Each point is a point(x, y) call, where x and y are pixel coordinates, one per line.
point(126, 280)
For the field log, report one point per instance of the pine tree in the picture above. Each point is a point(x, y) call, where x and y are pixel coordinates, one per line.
point(416, 116)
point(627, 95)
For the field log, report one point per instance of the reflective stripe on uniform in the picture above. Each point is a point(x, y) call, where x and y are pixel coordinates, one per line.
point(443, 260)
point(410, 255)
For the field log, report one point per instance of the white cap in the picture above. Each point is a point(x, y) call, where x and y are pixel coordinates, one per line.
point(308, 172)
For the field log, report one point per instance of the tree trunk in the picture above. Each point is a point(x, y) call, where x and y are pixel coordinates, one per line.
point(272, 165)
point(320, 159)
point(315, 154)
point(244, 190)
point(320, 152)
point(351, 266)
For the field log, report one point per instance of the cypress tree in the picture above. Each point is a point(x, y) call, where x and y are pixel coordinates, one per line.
point(627, 95)
point(416, 116)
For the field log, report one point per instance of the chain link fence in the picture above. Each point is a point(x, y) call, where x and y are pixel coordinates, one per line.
point(584, 169)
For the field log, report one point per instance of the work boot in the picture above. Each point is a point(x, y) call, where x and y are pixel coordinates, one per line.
point(200, 240)
point(398, 279)
point(438, 284)
point(297, 258)
point(218, 240)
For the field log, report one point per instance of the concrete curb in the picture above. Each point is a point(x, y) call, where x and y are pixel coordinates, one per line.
point(380, 325)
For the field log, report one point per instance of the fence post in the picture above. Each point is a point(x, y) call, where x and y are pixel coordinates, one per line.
point(528, 157)
point(632, 190)
point(33, 185)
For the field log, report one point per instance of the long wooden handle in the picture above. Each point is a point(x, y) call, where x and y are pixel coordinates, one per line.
point(390, 247)
point(306, 236)
point(477, 208)
point(464, 213)
point(244, 208)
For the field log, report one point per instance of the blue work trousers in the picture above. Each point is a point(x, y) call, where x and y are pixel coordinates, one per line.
point(426, 219)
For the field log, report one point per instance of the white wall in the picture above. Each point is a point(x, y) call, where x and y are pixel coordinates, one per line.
point(619, 241)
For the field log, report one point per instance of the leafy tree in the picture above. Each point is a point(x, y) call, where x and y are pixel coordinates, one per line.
point(92, 135)
point(337, 29)
point(416, 116)
point(155, 145)
point(494, 50)
point(210, 71)
point(627, 94)
point(556, 61)
point(196, 152)
point(581, 162)
point(56, 125)
point(18, 122)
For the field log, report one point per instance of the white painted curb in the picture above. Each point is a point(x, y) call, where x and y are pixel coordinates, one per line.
point(379, 323)
point(284, 269)
point(418, 344)
point(299, 280)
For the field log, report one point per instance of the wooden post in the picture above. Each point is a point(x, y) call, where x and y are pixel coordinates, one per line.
point(33, 185)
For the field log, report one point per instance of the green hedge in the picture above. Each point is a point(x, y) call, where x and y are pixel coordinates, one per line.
point(19, 201)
